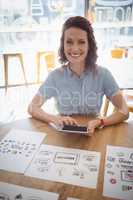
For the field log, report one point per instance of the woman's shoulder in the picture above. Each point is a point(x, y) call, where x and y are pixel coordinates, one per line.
point(57, 71)
point(102, 70)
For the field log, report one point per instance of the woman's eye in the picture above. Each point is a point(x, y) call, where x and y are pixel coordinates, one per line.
point(82, 42)
point(69, 42)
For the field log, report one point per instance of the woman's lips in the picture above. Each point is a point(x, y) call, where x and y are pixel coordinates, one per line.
point(75, 55)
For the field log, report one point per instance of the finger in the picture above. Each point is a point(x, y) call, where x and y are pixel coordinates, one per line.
point(60, 123)
point(76, 123)
point(68, 121)
point(90, 131)
point(73, 121)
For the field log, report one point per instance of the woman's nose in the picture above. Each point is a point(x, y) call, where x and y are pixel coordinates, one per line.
point(75, 47)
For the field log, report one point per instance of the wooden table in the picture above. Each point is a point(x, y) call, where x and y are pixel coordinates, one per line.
point(118, 135)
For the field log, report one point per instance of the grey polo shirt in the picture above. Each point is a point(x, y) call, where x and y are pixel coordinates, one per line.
point(78, 95)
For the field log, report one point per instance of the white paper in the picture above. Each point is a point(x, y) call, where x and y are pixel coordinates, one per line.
point(118, 177)
point(15, 192)
point(70, 198)
point(72, 166)
point(17, 149)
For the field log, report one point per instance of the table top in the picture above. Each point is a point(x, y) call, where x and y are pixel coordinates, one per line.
point(118, 135)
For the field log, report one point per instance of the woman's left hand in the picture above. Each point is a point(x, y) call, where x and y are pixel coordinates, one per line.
point(92, 125)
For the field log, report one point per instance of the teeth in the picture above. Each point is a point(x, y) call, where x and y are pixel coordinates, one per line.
point(75, 55)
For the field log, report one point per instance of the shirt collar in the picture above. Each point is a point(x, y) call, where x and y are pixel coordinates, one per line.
point(71, 73)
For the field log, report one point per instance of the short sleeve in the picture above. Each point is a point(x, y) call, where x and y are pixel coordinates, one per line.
point(110, 85)
point(48, 88)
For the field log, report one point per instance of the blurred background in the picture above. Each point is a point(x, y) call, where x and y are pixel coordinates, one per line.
point(29, 40)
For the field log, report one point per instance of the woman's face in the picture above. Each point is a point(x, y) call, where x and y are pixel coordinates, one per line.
point(76, 45)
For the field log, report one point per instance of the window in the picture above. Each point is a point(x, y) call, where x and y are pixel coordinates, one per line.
point(33, 22)
point(113, 22)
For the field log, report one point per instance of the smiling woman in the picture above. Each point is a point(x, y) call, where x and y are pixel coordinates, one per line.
point(79, 85)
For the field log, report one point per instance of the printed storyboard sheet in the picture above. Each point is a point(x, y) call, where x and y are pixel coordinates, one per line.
point(17, 149)
point(72, 166)
point(118, 177)
point(10, 191)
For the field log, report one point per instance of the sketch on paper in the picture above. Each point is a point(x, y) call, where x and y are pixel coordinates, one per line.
point(17, 149)
point(66, 158)
point(72, 166)
point(4, 196)
point(15, 192)
point(118, 176)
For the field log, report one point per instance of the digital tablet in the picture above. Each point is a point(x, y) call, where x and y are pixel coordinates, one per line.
point(70, 128)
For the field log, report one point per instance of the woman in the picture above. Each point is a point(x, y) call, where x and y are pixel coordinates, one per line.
point(79, 84)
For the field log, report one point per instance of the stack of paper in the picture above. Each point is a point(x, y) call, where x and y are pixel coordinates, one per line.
point(17, 149)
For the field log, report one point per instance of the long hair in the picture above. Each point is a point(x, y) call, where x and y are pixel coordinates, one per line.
point(84, 24)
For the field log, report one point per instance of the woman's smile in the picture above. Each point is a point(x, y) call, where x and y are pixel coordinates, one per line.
point(75, 55)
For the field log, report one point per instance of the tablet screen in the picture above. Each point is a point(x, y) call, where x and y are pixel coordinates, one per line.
point(75, 128)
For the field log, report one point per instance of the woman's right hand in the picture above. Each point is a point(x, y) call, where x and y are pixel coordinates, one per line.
point(64, 120)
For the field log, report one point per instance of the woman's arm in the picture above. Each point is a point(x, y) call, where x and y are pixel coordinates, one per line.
point(35, 110)
point(120, 114)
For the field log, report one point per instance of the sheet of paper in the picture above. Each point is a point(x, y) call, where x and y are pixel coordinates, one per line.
point(15, 192)
point(17, 149)
point(72, 166)
point(118, 177)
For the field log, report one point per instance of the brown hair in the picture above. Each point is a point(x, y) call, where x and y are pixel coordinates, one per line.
point(84, 24)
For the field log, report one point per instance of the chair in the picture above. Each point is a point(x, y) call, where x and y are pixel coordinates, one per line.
point(50, 61)
point(118, 53)
point(105, 108)
point(6, 58)
point(129, 101)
